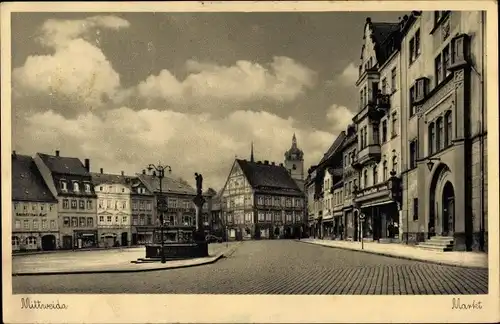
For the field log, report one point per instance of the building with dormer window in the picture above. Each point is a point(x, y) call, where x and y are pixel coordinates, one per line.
point(113, 208)
point(69, 180)
point(34, 208)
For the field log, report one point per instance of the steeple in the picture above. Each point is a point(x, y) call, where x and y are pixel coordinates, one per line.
point(294, 141)
point(251, 154)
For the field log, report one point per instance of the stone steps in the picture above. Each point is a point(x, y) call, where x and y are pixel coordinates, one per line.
point(438, 243)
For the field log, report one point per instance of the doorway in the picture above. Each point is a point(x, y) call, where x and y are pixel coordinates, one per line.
point(67, 242)
point(448, 212)
point(48, 242)
point(124, 239)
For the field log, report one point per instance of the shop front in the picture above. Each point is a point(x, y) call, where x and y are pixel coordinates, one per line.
point(327, 227)
point(142, 235)
point(85, 239)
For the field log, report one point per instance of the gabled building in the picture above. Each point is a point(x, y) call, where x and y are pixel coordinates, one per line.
point(261, 200)
point(34, 208)
point(143, 209)
point(113, 208)
point(69, 180)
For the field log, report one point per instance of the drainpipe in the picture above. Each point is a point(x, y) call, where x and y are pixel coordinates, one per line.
point(481, 137)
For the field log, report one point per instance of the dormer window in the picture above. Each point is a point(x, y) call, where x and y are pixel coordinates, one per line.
point(76, 187)
point(87, 187)
point(64, 185)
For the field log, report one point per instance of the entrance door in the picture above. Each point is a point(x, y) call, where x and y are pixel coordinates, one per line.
point(124, 239)
point(48, 242)
point(448, 210)
point(67, 242)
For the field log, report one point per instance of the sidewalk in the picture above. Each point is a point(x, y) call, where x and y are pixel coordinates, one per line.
point(78, 250)
point(108, 261)
point(460, 259)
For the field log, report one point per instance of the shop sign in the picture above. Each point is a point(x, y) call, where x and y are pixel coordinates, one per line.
point(31, 214)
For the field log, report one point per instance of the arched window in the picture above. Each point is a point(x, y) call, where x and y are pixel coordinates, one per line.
point(439, 133)
point(384, 174)
point(431, 139)
point(365, 178)
point(395, 164)
point(447, 128)
point(76, 187)
point(375, 175)
point(15, 242)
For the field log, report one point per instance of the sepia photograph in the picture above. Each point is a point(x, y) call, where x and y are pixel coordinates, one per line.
point(219, 151)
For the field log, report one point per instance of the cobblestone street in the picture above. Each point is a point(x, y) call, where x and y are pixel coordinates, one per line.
point(277, 267)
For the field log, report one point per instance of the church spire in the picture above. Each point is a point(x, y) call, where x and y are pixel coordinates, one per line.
point(294, 141)
point(251, 154)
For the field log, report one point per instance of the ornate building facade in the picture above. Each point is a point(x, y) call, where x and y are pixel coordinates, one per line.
point(113, 208)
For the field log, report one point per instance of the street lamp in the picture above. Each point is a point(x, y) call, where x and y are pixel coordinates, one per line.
point(430, 164)
point(160, 173)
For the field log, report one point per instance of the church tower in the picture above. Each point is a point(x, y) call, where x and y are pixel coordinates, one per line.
point(294, 161)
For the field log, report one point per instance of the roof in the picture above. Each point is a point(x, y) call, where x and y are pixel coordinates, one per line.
point(267, 175)
point(101, 178)
point(334, 147)
point(169, 185)
point(64, 165)
point(27, 182)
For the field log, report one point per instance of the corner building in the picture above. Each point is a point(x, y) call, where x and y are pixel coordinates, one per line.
point(444, 135)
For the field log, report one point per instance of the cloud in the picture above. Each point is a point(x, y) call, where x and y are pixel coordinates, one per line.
point(187, 142)
point(57, 32)
point(283, 79)
point(340, 117)
point(349, 75)
point(77, 72)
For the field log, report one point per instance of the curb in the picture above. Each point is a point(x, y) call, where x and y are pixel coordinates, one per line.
point(397, 256)
point(205, 262)
point(76, 250)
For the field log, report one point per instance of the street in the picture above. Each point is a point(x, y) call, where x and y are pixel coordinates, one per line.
point(276, 267)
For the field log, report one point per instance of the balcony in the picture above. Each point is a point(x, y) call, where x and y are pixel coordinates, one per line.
point(379, 106)
point(369, 154)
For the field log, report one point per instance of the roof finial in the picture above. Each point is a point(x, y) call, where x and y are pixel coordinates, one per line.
point(251, 154)
point(294, 140)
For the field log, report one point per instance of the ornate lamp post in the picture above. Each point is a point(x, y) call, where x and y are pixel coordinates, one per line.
point(161, 203)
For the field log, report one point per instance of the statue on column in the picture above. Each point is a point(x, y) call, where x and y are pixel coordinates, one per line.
point(199, 183)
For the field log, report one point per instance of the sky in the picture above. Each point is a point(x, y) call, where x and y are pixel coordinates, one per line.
point(190, 90)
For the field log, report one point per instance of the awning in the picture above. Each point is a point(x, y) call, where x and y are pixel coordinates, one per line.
point(377, 204)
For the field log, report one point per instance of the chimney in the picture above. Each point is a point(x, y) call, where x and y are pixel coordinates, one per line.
point(123, 173)
point(102, 171)
point(143, 171)
point(57, 152)
point(266, 162)
point(87, 165)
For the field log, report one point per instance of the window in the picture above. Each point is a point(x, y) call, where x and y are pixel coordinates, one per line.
point(31, 241)
point(384, 86)
point(439, 133)
point(413, 108)
point(376, 135)
point(415, 46)
point(116, 205)
point(65, 203)
point(76, 187)
point(375, 175)
point(90, 222)
point(66, 222)
point(42, 207)
point(141, 205)
point(123, 189)
point(26, 224)
point(384, 131)
point(124, 219)
point(110, 189)
point(432, 138)
point(89, 204)
point(395, 164)
point(417, 43)
point(82, 222)
point(53, 224)
point(101, 203)
point(413, 154)
point(116, 219)
point(365, 134)
point(345, 190)
point(439, 15)
point(394, 86)
point(87, 187)
point(74, 204)
point(447, 129)
point(394, 127)
point(438, 71)
point(365, 179)
point(415, 209)
point(384, 174)
point(362, 138)
point(74, 222)
point(135, 220)
point(64, 185)
point(81, 204)
point(446, 60)
point(101, 219)
point(18, 224)
point(15, 241)
point(261, 216)
point(148, 205)
point(35, 224)
point(361, 98)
